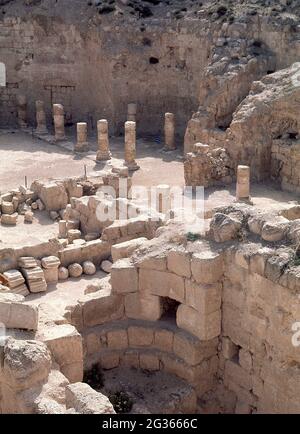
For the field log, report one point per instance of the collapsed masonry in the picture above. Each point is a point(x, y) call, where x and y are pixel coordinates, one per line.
point(261, 129)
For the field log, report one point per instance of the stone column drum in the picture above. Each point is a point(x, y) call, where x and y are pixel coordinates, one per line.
point(82, 144)
point(59, 122)
point(131, 112)
point(130, 145)
point(103, 141)
point(169, 132)
point(41, 125)
point(22, 111)
point(243, 183)
point(163, 198)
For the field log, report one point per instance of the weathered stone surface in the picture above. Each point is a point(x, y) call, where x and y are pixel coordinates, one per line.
point(35, 279)
point(63, 273)
point(89, 268)
point(100, 307)
point(50, 262)
point(65, 344)
point(85, 400)
point(124, 277)
point(207, 267)
point(117, 339)
point(162, 283)
point(205, 167)
point(106, 266)
point(26, 363)
point(143, 306)
point(53, 196)
point(204, 298)
point(224, 227)
point(14, 313)
point(191, 350)
point(124, 250)
point(9, 219)
point(140, 336)
point(179, 262)
point(205, 327)
point(95, 251)
point(75, 270)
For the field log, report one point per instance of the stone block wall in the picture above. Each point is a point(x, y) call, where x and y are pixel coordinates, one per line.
point(50, 60)
point(8, 106)
point(245, 299)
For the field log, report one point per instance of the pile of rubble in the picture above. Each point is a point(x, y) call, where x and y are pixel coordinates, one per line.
point(207, 167)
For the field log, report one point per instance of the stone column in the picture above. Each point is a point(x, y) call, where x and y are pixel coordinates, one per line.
point(41, 125)
point(22, 111)
point(59, 121)
point(163, 198)
point(169, 132)
point(103, 141)
point(243, 183)
point(130, 145)
point(82, 144)
point(131, 112)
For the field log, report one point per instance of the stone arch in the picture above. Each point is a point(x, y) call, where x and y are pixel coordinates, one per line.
point(2, 74)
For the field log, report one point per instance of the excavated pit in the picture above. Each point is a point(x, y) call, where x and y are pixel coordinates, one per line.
point(147, 392)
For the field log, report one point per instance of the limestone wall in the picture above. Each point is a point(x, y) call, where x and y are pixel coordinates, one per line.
point(249, 305)
point(95, 69)
point(258, 361)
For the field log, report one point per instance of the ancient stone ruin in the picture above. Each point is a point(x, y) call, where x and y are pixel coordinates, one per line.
point(150, 207)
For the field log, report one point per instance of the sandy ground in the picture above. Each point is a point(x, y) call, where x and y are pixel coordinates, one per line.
point(64, 293)
point(22, 155)
point(41, 230)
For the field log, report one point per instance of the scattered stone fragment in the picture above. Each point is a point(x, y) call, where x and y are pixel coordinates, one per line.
point(16, 282)
point(63, 273)
point(73, 234)
point(27, 262)
point(106, 266)
point(7, 208)
point(224, 227)
point(89, 268)
point(28, 217)
point(35, 279)
point(75, 270)
point(9, 219)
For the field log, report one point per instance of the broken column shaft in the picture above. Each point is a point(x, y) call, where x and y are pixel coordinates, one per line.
point(103, 141)
point(59, 122)
point(169, 132)
point(130, 145)
point(22, 111)
point(243, 183)
point(82, 144)
point(41, 125)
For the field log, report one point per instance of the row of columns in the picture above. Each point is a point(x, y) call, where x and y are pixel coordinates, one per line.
point(103, 153)
point(102, 127)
